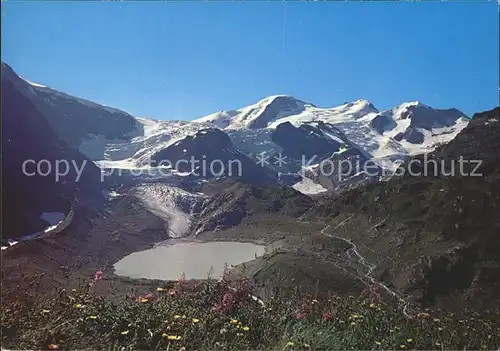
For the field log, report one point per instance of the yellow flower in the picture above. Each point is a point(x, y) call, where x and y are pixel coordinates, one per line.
point(78, 305)
point(52, 346)
point(143, 299)
point(195, 320)
point(177, 316)
point(160, 289)
point(125, 332)
point(245, 328)
point(92, 317)
point(378, 343)
point(290, 343)
point(234, 321)
point(45, 311)
point(173, 337)
point(409, 340)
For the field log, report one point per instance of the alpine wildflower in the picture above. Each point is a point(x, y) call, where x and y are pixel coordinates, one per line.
point(98, 275)
point(300, 315)
point(327, 316)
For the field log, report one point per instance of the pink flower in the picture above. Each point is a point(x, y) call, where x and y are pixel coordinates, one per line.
point(327, 316)
point(300, 315)
point(98, 275)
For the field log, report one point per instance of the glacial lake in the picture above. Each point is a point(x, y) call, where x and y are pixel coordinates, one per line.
point(194, 259)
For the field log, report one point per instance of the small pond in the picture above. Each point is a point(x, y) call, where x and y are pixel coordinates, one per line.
point(193, 259)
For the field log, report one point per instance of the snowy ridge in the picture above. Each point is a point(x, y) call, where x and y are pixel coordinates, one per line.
point(374, 133)
point(157, 135)
point(257, 115)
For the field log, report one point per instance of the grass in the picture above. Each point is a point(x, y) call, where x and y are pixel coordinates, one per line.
point(221, 315)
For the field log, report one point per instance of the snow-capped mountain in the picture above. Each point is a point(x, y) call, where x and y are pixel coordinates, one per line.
point(258, 115)
point(275, 125)
point(388, 136)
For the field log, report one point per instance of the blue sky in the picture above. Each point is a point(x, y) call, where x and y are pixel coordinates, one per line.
point(184, 60)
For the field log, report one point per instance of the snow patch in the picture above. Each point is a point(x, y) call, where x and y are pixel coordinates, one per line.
point(308, 187)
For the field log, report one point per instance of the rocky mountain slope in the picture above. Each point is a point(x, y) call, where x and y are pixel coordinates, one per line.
point(437, 236)
point(74, 119)
point(30, 190)
point(210, 154)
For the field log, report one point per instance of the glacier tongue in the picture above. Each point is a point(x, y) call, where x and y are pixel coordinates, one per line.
point(167, 202)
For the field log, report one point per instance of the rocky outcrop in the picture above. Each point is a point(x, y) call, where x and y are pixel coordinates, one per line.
point(230, 202)
point(209, 154)
point(307, 140)
point(26, 194)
